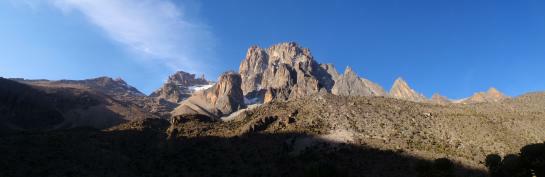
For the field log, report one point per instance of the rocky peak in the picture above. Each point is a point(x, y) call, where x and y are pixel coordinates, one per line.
point(224, 98)
point(179, 87)
point(350, 84)
point(287, 67)
point(492, 95)
point(289, 53)
point(185, 79)
point(439, 99)
point(493, 92)
point(348, 72)
point(252, 68)
point(401, 90)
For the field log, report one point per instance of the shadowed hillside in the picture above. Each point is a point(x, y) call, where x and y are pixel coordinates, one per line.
point(43, 108)
point(317, 135)
point(145, 150)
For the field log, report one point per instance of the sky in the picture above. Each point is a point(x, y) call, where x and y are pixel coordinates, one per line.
point(454, 48)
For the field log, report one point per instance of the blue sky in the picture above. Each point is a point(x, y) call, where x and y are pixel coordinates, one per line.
point(455, 48)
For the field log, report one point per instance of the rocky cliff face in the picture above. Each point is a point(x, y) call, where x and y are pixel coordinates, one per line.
point(331, 72)
point(252, 68)
point(350, 84)
point(220, 100)
point(492, 95)
point(401, 90)
point(179, 86)
point(285, 68)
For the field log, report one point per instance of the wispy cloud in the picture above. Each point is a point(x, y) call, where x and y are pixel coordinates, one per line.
point(158, 29)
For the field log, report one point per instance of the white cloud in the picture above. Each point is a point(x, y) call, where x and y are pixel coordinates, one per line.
point(159, 29)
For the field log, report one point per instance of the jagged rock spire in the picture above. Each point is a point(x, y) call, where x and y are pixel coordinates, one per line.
point(285, 66)
point(401, 90)
point(350, 84)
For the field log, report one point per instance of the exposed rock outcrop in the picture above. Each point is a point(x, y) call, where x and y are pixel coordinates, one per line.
point(179, 86)
point(330, 69)
point(220, 100)
point(252, 68)
point(350, 84)
point(492, 95)
point(401, 90)
point(287, 67)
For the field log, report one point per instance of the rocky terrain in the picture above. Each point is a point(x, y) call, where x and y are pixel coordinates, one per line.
point(282, 114)
point(318, 135)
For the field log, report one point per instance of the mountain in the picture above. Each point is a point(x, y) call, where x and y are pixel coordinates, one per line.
point(350, 84)
point(283, 71)
point(180, 86)
point(313, 122)
point(436, 98)
point(69, 104)
point(401, 90)
point(492, 95)
point(220, 100)
point(116, 89)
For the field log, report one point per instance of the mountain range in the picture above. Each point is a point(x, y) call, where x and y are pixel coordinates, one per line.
point(282, 106)
point(284, 71)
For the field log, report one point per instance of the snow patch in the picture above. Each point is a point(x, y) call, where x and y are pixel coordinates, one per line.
point(459, 100)
point(200, 87)
point(236, 114)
